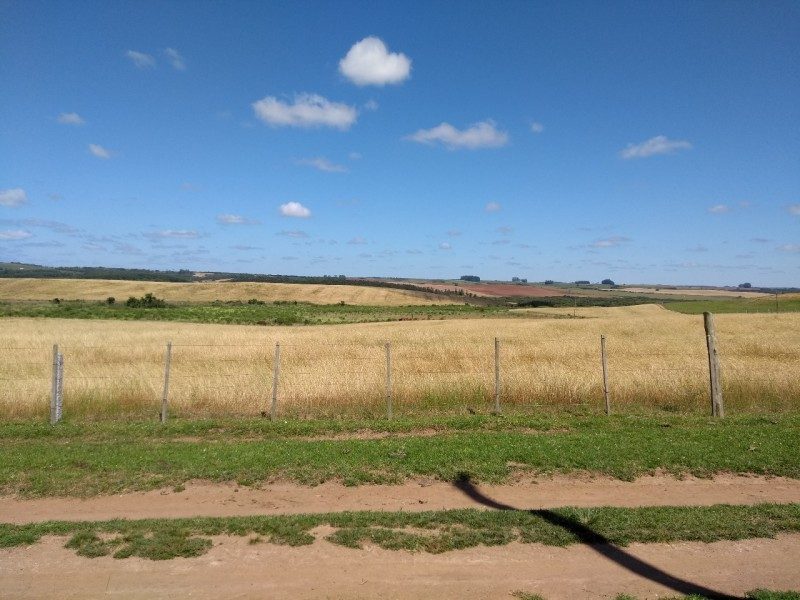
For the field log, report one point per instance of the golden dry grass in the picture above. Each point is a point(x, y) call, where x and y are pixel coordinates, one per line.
point(657, 359)
point(100, 289)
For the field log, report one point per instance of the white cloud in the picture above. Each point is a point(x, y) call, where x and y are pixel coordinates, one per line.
point(141, 60)
point(297, 234)
point(479, 135)
point(308, 110)
point(226, 219)
point(70, 119)
point(794, 209)
point(793, 248)
point(13, 197)
point(323, 164)
point(719, 209)
point(445, 246)
point(175, 59)
point(454, 232)
point(493, 207)
point(99, 151)
point(537, 127)
point(657, 145)
point(369, 62)
point(371, 105)
point(15, 234)
point(504, 230)
point(610, 242)
point(295, 209)
point(182, 234)
point(355, 156)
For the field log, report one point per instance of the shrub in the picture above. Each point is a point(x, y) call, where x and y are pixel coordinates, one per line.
point(146, 301)
point(110, 300)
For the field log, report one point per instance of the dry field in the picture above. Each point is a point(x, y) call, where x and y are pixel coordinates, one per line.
point(100, 289)
point(657, 359)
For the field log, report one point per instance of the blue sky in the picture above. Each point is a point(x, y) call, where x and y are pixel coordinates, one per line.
point(653, 142)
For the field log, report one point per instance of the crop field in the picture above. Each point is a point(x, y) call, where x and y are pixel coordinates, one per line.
point(657, 359)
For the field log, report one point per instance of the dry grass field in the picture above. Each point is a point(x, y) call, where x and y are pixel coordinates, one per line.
point(100, 289)
point(657, 359)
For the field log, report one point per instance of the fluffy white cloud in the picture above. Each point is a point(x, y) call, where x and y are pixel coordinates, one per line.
point(141, 60)
point(657, 145)
point(308, 110)
point(323, 164)
point(537, 127)
point(15, 234)
point(295, 209)
point(175, 59)
point(445, 246)
point(480, 135)
point(493, 207)
point(369, 62)
point(70, 119)
point(611, 242)
point(719, 209)
point(226, 219)
point(99, 151)
point(13, 197)
point(794, 209)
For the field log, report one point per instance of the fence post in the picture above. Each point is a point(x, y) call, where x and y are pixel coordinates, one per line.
point(604, 360)
point(165, 395)
point(59, 386)
point(54, 387)
point(717, 407)
point(389, 380)
point(276, 371)
point(497, 376)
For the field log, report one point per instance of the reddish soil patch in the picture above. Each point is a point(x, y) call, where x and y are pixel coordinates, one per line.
point(216, 500)
point(510, 289)
point(235, 569)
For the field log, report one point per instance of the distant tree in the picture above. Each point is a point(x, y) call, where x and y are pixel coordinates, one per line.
point(474, 278)
point(607, 282)
point(583, 282)
point(745, 285)
point(549, 282)
point(515, 280)
point(56, 300)
point(110, 300)
point(146, 301)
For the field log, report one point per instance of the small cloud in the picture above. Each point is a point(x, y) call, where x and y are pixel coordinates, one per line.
point(479, 135)
point(308, 110)
point(492, 207)
point(295, 209)
point(100, 152)
point(245, 248)
point(70, 119)
point(454, 232)
point(760, 240)
point(537, 127)
point(445, 246)
point(371, 105)
point(13, 197)
point(175, 59)
point(355, 156)
point(504, 230)
point(296, 234)
point(322, 164)
point(719, 209)
point(15, 234)
point(357, 241)
point(369, 62)
point(657, 145)
point(792, 248)
point(182, 234)
point(794, 209)
point(610, 242)
point(141, 60)
point(225, 219)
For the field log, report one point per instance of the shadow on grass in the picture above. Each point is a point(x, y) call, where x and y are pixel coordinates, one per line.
point(599, 544)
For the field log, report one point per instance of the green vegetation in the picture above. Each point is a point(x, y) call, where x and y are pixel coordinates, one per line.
point(736, 305)
point(246, 313)
point(434, 532)
point(79, 460)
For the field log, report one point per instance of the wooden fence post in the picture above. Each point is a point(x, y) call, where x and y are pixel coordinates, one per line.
point(717, 407)
point(497, 376)
point(604, 360)
point(54, 387)
point(276, 372)
point(389, 380)
point(165, 394)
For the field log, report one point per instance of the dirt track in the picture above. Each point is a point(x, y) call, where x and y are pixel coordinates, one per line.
point(205, 499)
point(235, 569)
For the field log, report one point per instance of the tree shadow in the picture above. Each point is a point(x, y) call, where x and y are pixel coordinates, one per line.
point(600, 544)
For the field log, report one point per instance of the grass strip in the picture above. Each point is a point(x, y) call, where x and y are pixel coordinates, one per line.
point(434, 532)
point(751, 595)
point(620, 447)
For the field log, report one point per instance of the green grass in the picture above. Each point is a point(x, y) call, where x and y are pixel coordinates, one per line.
point(434, 532)
point(102, 458)
point(243, 313)
point(734, 305)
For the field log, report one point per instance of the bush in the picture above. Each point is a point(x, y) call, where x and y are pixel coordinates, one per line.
point(56, 300)
point(146, 301)
point(110, 300)
point(607, 282)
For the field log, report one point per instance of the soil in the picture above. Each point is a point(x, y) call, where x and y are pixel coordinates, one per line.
point(214, 499)
point(233, 568)
point(510, 289)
